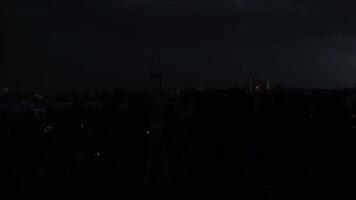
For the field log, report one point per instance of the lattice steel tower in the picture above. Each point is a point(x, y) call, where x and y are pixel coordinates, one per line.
point(157, 170)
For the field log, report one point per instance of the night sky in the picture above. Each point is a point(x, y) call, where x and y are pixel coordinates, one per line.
point(78, 44)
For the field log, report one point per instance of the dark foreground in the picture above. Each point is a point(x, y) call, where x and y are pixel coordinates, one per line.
point(280, 144)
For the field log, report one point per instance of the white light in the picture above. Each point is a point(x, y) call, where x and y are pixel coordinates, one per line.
point(147, 132)
point(97, 154)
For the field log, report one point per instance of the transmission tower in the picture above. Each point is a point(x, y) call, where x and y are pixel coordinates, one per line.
point(157, 170)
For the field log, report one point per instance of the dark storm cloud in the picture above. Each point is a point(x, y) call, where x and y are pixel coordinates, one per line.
point(210, 18)
point(268, 21)
point(108, 42)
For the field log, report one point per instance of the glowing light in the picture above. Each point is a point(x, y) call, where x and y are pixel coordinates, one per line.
point(147, 132)
point(48, 129)
point(97, 154)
